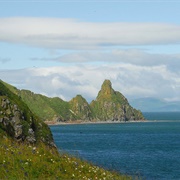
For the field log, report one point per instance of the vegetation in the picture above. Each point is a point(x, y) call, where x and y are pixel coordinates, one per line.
point(23, 161)
point(6, 92)
point(27, 150)
point(54, 109)
point(109, 105)
point(112, 105)
point(80, 109)
point(18, 121)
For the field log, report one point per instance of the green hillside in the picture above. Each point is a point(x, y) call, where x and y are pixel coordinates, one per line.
point(48, 109)
point(27, 150)
point(112, 105)
point(109, 105)
point(80, 109)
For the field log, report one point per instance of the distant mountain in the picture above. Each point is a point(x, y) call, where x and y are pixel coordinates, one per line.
point(110, 105)
point(150, 104)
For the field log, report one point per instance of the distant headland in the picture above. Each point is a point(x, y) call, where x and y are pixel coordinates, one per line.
point(109, 106)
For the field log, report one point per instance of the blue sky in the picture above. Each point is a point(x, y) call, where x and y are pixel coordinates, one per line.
point(64, 48)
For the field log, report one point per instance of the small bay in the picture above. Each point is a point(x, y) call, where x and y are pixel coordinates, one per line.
point(150, 150)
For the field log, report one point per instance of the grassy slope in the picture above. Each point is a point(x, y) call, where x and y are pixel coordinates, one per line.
point(81, 108)
point(37, 104)
point(44, 107)
point(60, 107)
point(21, 161)
point(53, 109)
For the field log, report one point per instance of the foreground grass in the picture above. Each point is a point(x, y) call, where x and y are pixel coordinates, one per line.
point(22, 161)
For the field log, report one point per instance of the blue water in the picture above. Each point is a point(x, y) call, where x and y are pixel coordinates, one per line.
point(150, 150)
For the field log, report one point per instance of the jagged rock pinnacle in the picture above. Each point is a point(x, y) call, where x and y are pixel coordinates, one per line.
point(106, 87)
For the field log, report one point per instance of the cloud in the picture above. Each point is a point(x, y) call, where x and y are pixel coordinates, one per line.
point(66, 82)
point(130, 56)
point(73, 34)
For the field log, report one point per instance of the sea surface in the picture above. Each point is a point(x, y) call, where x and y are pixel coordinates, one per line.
point(150, 150)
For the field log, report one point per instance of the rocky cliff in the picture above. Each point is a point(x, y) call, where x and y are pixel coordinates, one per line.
point(80, 109)
point(110, 105)
point(18, 122)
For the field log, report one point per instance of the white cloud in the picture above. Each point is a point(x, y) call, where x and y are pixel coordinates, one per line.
point(66, 82)
point(74, 34)
point(131, 56)
point(134, 72)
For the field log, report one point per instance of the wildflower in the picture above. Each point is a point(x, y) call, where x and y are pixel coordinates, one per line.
point(26, 163)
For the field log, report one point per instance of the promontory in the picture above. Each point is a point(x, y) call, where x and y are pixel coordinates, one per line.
point(109, 106)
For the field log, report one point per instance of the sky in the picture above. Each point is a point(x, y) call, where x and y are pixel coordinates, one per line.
point(64, 48)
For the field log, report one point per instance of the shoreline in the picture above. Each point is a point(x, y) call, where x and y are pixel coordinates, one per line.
point(92, 122)
point(51, 123)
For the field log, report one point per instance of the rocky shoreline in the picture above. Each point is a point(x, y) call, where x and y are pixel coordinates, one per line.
point(91, 122)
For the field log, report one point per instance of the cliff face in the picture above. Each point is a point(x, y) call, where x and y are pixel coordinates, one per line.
point(109, 105)
point(18, 122)
point(80, 109)
point(112, 105)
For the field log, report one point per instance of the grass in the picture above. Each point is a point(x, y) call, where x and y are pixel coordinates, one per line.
point(23, 161)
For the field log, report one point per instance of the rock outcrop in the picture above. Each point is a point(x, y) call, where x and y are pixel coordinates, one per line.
point(111, 105)
point(19, 122)
point(80, 109)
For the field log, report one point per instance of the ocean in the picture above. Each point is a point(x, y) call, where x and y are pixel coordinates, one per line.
point(150, 150)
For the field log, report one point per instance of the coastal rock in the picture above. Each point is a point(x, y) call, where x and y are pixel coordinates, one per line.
point(19, 122)
point(31, 136)
point(80, 109)
point(111, 105)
